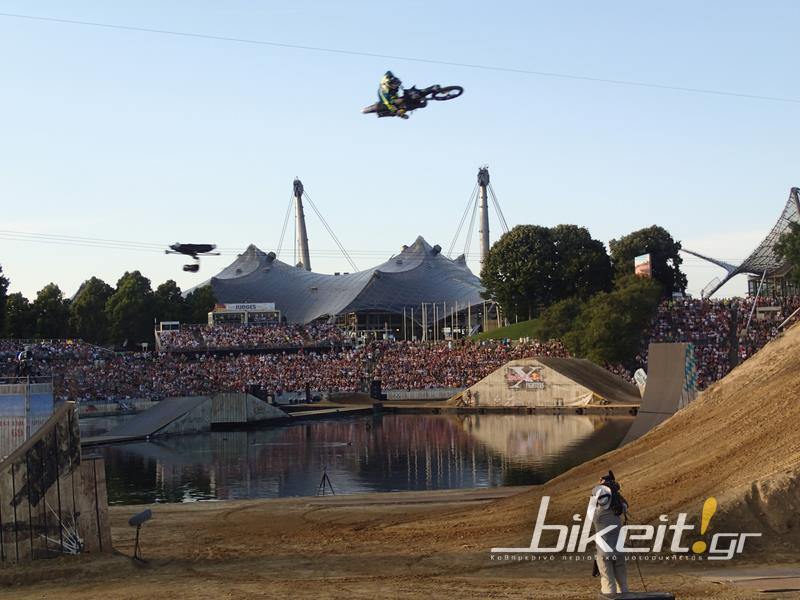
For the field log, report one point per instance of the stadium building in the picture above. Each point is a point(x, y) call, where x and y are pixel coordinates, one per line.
point(418, 293)
point(767, 271)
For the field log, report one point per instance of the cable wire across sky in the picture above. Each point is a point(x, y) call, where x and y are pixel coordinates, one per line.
point(342, 51)
point(134, 246)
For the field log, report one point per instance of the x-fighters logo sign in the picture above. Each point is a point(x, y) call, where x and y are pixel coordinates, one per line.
point(524, 378)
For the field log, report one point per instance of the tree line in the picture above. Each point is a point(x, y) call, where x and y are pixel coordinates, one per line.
point(575, 291)
point(98, 313)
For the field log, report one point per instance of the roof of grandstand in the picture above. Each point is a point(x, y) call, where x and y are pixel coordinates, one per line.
point(420, 273)
point(763, 259)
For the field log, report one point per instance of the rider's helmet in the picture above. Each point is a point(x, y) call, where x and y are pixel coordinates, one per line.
point(390, 82)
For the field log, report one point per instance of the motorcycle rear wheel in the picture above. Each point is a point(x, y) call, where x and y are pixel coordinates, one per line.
point(448, 92)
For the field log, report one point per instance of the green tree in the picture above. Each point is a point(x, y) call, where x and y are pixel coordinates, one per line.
point(558, 320)
point(531, 267)
point(199, 303)
point(3, 297)
point(518, 270)
point(19, 317)
point(788, 248)
point(665, 260)
point(50, 313)
point(87, 315)
point(169, 303)
point(583, 267)
point(610, 326)
point(130, 310)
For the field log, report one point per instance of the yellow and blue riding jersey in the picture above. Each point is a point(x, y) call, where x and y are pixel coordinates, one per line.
point(387, 96)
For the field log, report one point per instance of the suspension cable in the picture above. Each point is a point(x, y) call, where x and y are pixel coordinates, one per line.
point(461, 223)
point(468, 241)
point(285, 223)
point(330, 231)
point(497, 208)
point(433, 61)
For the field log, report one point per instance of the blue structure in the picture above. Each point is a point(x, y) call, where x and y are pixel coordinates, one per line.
point(25, 405)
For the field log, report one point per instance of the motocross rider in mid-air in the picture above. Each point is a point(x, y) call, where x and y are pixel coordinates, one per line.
point(389, 94)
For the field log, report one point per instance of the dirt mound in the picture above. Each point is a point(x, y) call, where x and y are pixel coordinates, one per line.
point(739, 441)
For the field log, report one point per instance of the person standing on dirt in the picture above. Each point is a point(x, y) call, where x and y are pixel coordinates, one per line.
point(607, 507)
point(389, 94)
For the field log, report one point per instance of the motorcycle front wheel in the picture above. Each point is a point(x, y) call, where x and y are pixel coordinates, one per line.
point(448, 93)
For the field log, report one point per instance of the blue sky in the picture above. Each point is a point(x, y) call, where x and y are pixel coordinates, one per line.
point(154, 138)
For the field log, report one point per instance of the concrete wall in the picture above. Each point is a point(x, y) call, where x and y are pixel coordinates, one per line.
point(507, 386)
point(229, 408)
point(258, 410)
point(47, 492)
point(431, 394)
point(90, 409)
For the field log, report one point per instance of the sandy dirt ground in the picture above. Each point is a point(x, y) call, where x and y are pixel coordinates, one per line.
point(336, 547)
point(739, 442)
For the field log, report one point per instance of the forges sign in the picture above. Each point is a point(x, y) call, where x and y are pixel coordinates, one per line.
point(524, 378)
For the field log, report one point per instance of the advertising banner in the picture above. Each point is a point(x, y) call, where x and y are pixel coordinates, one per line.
point(641, 265)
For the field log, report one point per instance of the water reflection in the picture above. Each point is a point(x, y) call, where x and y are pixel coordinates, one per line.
point(366, 454)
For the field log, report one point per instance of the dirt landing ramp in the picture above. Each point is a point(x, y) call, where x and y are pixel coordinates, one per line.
point(670, 386)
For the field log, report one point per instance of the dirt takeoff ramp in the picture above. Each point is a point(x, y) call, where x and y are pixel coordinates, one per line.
point(671, 385)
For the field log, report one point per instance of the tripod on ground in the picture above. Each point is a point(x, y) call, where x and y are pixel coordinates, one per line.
point(324, 483)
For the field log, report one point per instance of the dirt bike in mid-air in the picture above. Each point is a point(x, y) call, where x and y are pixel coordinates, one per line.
point(412, 99)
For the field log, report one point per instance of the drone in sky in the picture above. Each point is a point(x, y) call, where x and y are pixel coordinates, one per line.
point(193, 250)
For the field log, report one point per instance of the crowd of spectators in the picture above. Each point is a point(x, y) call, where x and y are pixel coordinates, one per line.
point(724, 332)
point(47, 357)
point(409, 365)
point(84, 375)
point(718, 329)
point(223, 336)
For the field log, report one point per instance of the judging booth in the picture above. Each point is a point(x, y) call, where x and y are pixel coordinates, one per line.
point(254, 313)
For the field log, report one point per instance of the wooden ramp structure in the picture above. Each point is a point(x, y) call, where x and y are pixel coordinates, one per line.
point(546, 381)
point(52, 501)
point(192, 414)
point(671, 385)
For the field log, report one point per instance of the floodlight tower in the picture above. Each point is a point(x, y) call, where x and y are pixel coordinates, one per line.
point(483, 184)
point(300, 226)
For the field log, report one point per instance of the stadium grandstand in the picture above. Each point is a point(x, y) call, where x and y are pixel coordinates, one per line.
point(320, 358)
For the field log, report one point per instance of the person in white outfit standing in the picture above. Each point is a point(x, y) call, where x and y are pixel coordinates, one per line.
point(606, 509)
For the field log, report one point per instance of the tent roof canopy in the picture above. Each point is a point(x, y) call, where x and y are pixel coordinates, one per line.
point(419, 273)
point(763, 259)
